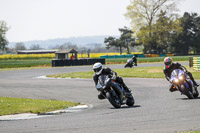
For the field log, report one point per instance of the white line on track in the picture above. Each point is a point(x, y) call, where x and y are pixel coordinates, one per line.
point(26, 116)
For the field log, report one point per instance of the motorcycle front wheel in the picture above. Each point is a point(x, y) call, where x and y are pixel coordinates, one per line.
point(187, 92)
point(113, 99)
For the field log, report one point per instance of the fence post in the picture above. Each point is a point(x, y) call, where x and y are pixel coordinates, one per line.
point(190, 61)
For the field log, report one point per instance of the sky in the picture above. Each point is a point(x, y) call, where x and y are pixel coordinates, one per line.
point(49, 19)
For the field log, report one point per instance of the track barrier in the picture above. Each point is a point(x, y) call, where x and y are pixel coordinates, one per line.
point(137, 55)
point(194, 62)
point(76, 62)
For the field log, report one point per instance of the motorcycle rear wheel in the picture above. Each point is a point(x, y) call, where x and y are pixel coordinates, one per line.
point(130, 101)
point(113, 99)
point(125, 66)
point(196, 94)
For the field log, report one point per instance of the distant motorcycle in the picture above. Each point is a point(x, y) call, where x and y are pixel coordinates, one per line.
point(183, 83)
point(114, 92)
point(130, 63)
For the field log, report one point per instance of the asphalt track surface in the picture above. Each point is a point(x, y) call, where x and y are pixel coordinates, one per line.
point(156, 110)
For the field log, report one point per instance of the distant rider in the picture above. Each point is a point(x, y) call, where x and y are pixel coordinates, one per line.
point(134, 59)
point(99, 70)
point(170, 66)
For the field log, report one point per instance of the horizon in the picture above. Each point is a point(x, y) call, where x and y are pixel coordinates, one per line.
point(64, 38)
point(69, 19)
point(83, 41)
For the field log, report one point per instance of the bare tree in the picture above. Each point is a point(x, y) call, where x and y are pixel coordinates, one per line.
point(67, 45)
point(20, 46)
point(35, 47)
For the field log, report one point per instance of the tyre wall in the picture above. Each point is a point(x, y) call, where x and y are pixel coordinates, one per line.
point(76, 62)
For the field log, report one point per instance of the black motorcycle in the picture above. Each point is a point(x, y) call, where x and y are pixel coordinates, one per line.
point(114, 92)
point(130, 63)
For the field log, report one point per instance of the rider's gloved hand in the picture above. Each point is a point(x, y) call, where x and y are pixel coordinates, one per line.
point(104, 87)
point(114, 77)
point(184, 69)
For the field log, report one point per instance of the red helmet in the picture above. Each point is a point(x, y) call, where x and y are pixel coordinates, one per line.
point(168, 62)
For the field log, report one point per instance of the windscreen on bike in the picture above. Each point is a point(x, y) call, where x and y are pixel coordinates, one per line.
point(101, 81)
point(176, 73)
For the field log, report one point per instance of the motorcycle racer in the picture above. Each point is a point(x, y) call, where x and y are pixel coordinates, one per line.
point(131, 62)
point(170, 66)
point(100, 70)
point(134, 60)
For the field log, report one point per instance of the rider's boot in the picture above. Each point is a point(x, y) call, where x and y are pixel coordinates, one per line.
point(128, 91)
point(101, 96)
point(191, 77)
point(195, 88)
point(172, 88)
point(195, 84)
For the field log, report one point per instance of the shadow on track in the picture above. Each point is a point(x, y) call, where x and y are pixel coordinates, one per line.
point(198, 98)
point(127, 107)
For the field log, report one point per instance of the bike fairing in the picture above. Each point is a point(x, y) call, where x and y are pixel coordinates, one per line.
point(113, 75)
point(105, 71)
point(182, 82)
point(178, 75)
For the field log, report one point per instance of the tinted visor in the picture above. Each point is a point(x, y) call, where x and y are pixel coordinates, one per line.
point(167, 63)
point(97, 69)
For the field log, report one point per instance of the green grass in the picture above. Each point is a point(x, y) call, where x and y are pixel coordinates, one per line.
point(88, 74)
point(147, 59)
point(11, 63)
point(46, 62)
point(21, 105)
point(22, 68)
point(137, 72)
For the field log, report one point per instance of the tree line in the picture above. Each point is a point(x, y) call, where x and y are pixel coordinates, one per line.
point(157, 27)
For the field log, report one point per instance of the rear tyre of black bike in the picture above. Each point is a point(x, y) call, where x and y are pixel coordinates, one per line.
point(130, 101)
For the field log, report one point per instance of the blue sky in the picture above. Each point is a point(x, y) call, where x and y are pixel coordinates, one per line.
point(49, 19)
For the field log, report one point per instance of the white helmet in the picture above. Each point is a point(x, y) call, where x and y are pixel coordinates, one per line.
point(97, 67)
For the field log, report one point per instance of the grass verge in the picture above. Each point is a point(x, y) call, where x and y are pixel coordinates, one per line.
point(11, 63)
point(138, 72)
point(47, 62)
point(22, 105)
point(147, 59)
